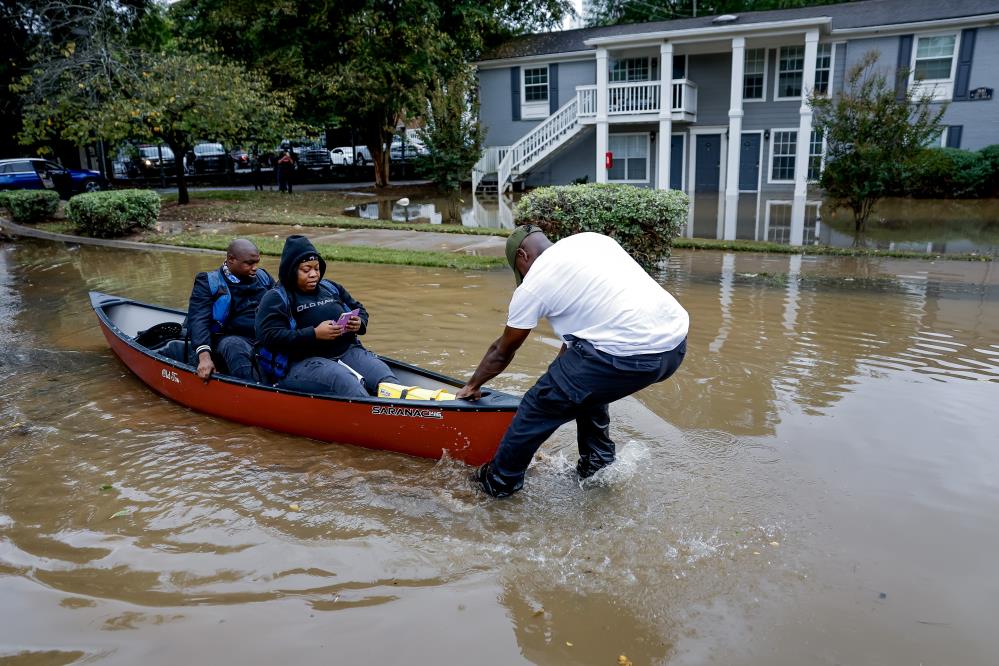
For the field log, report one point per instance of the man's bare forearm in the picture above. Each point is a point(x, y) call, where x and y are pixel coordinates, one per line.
point(493, 363)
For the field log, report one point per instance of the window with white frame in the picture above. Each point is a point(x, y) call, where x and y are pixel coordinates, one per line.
point(631, 158)
point(932, 71)
point(630, 69)
point(783, 144)
point(754, 76)
point(535, 84)
point(816, 154)
point(934, 57)
point(790, 72)
point(823, 69)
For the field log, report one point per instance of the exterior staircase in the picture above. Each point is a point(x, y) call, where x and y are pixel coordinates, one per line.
point(509, 162)
point(499, 166)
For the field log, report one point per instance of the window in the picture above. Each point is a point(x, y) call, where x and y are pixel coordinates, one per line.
point(535, 84)
point(783, 144)
point(679, 67)
point(631, 158)
point(932, 71)
point(816, 154)
point(823, 66)
point(755, 75)
point(790, 71)
point(630, 69)
point(934, 57)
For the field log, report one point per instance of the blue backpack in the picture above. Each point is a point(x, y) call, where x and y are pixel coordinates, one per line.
point(222, 298)
point(274, 365)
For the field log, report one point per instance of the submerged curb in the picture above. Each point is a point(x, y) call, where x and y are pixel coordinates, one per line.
point(29, 232)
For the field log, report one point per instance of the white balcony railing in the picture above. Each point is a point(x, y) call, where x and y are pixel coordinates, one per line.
point(640, 97)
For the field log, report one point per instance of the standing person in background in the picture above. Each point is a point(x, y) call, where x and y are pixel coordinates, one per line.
point(285, 168)
point(256, 174)
point(621, 332)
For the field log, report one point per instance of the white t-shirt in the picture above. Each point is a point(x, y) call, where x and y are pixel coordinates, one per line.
point(587, 286)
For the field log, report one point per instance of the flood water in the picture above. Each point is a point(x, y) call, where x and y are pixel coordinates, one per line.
point(958, 226)
point(818, 484)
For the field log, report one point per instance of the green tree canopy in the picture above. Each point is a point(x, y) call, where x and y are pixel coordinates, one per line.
point(451, 131)
point(873, 136)
point(364, 64)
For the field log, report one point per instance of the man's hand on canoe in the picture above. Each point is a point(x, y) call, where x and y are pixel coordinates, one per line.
point(468, 392)
point(205, 366)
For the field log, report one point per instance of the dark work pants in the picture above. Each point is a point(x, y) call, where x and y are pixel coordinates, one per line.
point(578, 385)
point(236, 353)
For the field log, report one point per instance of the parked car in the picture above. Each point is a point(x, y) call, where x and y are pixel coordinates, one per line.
point(147, 164)
point(240, 159)
point(342, 156)
point(403, 152)
point(362, 156)
point(207, 159)
point(308, 154)
point(29, 173)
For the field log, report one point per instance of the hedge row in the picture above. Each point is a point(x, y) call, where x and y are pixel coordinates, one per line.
point(643, 221)
point(951, 173)
point(26, 206)
point(110, 214)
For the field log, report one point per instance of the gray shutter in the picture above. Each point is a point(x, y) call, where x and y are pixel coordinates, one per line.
point(964, 59)
point(902, 67)
point(515, 92)
point(553, 87)
point(954, 136)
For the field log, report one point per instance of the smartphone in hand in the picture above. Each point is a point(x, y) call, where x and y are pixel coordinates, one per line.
point(345, 318)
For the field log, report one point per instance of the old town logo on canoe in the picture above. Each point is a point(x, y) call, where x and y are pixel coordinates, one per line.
point(414, 412)
point(171, 375)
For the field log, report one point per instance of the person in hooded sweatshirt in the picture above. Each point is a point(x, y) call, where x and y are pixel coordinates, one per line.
point(300, 324)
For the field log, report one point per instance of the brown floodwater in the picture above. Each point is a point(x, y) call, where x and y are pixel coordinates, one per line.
point(819, 484)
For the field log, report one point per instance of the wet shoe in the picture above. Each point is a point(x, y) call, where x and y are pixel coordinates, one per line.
point(585, 469)
point(488, 484)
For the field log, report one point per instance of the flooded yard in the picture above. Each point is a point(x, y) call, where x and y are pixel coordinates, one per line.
point(957, 226)
point(819, 483)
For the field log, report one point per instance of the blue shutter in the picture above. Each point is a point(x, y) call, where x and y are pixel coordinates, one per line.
point(553, 87)
point(964, 59)
point(954, 136)
point(903, 65)
point(515, 92)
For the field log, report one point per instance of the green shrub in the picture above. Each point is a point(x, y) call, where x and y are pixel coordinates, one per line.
point(30, 205)
point(991, 155)
point(947, 173)
point(109, 214)
point(643, 221)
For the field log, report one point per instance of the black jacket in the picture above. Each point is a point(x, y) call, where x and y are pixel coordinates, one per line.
point(273, 327)
point(246, 297)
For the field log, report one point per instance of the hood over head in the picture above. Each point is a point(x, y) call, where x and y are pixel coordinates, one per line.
point(296, 250)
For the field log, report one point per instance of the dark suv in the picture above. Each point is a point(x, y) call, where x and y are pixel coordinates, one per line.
point(207, 159)
point(310, 155)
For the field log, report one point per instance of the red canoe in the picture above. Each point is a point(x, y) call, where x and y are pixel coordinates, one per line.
point(467, 431)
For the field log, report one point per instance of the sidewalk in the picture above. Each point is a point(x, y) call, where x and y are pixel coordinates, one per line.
point(487, 246)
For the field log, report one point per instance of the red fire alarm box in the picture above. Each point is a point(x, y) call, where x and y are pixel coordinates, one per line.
point(608, 159)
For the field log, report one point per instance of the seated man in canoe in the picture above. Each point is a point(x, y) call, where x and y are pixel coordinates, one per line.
point(308, 327)
point(222, 311)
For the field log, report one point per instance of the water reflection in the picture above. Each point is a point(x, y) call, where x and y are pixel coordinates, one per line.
point(910, 225)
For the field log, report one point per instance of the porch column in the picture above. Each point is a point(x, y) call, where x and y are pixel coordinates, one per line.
point(665, 114)
point(734, 137)
point(804, 140)
point(601, 114)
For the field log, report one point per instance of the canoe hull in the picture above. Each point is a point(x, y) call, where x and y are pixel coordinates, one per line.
point(419, 428)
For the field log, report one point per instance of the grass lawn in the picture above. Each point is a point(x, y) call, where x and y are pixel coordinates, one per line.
point(351, 253)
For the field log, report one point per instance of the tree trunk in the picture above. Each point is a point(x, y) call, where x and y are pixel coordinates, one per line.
point(379, 155)
point(178, 170)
